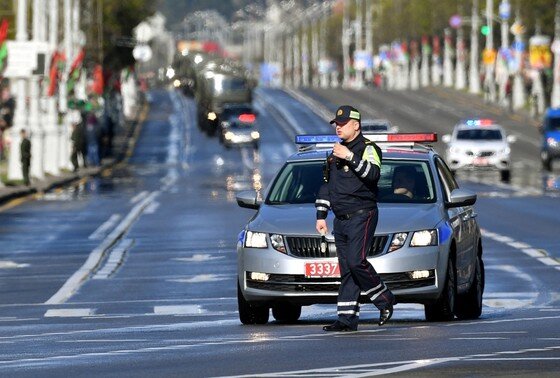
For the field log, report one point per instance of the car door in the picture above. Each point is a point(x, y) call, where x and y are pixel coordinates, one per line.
point(463, 223)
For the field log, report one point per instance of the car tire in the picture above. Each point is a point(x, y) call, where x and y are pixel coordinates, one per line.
point(505, 175)
point(469, 305)
point(249, 313)
point(286, 313)
point(442, 309)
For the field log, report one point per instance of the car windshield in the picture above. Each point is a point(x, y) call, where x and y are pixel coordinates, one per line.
point(299, 183)
point(234, 111)
point(479, 134)
point(552, 124)
point(242, 125)
point(373, 128)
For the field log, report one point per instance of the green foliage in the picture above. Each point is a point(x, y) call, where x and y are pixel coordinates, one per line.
point(119, 19)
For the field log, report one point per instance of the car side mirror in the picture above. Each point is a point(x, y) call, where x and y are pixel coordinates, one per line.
point(446, 138)
point(249, 199)
point(461, 197)
point(511, 138)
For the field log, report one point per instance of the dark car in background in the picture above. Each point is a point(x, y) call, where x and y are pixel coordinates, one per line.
point(550, 129)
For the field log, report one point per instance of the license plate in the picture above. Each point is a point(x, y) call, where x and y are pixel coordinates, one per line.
point(322, 269)
point(480, 161)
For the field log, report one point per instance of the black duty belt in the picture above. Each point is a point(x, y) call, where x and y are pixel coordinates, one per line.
point(350, 215)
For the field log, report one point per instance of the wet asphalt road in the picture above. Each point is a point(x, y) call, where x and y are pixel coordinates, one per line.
point(133, 273)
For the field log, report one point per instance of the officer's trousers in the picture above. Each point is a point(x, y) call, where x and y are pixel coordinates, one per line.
point(353, 238)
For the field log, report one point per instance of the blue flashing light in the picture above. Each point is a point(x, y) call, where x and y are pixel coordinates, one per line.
point(241, 237)
point(444, 232)
point(553, 113)
point(316, 139)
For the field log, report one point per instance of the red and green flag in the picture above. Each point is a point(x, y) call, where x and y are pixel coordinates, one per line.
point(75, 71)
point(3, 46)
point(58, 60)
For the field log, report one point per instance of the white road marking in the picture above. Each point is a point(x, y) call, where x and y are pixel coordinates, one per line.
point(140, 196)
point(8, 264)
point(202, 278)
point(78, 278)
point(105, 227)
point(69, 312)
point(199, 258)
point(179, 310)
point(115, 259)
point(539, 254)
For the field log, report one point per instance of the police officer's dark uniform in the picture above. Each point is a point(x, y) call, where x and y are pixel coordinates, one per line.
point(350, 192)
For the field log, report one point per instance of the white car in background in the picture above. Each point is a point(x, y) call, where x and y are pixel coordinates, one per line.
point(377, 125)
point(479, 144)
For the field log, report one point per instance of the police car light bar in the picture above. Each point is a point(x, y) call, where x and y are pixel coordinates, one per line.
point(479, 122)
point(402, 137)
point(391, 138)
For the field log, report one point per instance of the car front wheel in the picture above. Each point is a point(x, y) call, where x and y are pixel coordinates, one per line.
point(249, 313)
point(286, 313)
point(469, 305)
point(442, 309)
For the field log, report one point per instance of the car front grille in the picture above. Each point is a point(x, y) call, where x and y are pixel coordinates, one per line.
point(481, 153)
point(310, 247)
point(299, 283)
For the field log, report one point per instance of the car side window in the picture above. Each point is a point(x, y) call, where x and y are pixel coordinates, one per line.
point(446, 177)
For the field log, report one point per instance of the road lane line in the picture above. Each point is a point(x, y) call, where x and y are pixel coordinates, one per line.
point(95, 257)
point(105, 227)
point(538, 254)
point(69, 312)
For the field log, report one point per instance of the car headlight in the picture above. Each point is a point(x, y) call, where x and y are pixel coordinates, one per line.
point(278, 243)
point(424, 238)
point(229, 135)
point(398, 241)
point(454, 150)
point(552, 142)
point(255, 240)
point(255, 135)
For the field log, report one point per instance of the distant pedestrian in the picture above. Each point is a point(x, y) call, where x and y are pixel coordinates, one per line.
point(25, 154)
point(93, 134)
point(78, 139)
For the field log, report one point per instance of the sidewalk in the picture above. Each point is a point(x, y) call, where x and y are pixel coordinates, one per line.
point(123, 143)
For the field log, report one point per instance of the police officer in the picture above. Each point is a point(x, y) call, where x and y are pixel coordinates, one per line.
point(353, 169)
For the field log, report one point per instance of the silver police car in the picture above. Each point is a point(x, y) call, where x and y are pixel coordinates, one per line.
point(427, 247)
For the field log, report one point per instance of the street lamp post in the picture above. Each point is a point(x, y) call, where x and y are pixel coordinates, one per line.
point(20, 113)
point(37, 131)
point(490, 89)
point(503, 73)
point(51, 126)
point(474, 77)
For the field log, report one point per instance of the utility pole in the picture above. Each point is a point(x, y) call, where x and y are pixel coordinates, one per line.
point(369, 38)
point(490, 89)
point(345, 45)
point(447, 67)
point(20, 114)
point(474, 76)
point(425, 66)
point(37, 132)
point(51, 126)
point(359, 47)
point(555, 97)
point(503, 73)
point(460, 79)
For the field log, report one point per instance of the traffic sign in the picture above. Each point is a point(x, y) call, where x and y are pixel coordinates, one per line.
point(517, 28)
point(505, 10)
